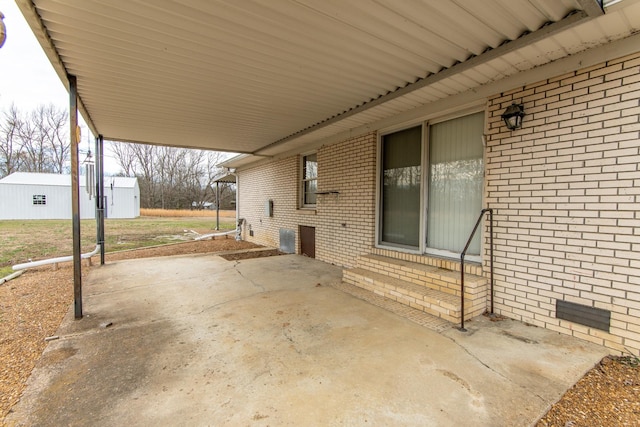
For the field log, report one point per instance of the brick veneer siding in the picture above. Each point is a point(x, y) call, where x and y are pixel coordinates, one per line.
point(344, 222)
point(566, 189)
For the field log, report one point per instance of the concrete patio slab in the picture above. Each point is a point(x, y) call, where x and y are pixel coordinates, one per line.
point(197, 340)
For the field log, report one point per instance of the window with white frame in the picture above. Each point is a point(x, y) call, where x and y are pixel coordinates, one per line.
point(430, 185)
point(309, 184)
point(39, 199)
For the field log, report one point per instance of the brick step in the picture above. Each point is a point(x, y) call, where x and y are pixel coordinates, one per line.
point(437, 278)
point(452, 264)
point(417, 316)
point(441, 304)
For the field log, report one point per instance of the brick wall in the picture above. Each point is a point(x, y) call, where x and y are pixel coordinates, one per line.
point(344, 222)
point(566, 190)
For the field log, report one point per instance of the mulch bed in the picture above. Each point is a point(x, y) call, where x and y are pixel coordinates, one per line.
point(608, 395)
point(33, 305)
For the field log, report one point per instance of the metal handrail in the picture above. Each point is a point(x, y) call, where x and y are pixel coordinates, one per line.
point(464, 252)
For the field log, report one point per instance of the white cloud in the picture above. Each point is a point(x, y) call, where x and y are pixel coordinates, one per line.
point(27, 79)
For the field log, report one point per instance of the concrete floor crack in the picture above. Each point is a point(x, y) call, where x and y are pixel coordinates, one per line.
point(257, 285)
point(487, 366)
point(291, 340)
point(477, 358)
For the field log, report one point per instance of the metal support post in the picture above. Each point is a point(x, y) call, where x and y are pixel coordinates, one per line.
point(100, 195)
point(217, 205)
point(75, 196)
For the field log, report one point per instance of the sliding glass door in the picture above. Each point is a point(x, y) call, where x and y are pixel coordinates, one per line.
point(456, 173)
point(449, 201)
point(401, 188)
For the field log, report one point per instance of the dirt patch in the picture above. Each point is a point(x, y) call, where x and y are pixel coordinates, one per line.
point(197, 247)
point(252, 254)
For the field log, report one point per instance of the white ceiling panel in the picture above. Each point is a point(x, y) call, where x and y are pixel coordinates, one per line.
point(242, 75)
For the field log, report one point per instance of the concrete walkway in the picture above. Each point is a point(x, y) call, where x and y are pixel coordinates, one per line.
point(197, 341)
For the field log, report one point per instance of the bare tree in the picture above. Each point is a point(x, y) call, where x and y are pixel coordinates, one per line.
point(170, 177)
point(33, 149)
point(125, 157)
point(53, 128)
point(34, 142)
point(146, 156)
point(10, 142)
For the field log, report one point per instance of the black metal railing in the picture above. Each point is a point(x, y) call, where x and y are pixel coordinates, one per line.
point(464, 252)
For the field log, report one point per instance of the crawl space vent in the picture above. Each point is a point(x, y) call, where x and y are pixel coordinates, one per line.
point(584, 315)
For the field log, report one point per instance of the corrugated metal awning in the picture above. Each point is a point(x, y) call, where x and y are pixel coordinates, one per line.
point(265, 77)
point(228, 178)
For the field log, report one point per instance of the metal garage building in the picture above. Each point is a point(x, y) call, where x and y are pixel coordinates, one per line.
point(48, 196)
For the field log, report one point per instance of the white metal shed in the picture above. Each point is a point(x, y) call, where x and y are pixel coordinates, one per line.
point(48, 196)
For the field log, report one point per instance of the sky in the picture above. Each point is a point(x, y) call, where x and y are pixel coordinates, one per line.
point(27, 78)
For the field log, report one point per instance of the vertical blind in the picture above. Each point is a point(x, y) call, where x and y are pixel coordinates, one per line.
point(455, 183)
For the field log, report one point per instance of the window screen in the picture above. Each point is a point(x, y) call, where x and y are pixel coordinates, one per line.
point(39, 199)
point(309, 179)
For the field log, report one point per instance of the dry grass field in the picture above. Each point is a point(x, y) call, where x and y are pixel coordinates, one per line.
point(21, 240)
point(163, 213)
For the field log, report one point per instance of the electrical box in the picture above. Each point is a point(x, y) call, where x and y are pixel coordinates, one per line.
point(268, 208)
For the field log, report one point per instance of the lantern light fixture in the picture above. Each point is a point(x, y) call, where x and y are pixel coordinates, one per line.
point(3, 30)
point(513, 115)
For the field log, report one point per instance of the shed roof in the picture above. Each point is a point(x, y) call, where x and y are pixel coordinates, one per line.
point(59, 180)
point(228, 178)
point(267, 77)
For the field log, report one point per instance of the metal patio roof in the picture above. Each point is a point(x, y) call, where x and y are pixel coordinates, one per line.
point(265, 77)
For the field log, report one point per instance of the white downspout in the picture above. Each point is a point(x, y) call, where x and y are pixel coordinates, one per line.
point(42, 262)
point(220, 234)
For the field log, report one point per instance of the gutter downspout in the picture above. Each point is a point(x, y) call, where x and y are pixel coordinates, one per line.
point(42, 262)
point(10, 277)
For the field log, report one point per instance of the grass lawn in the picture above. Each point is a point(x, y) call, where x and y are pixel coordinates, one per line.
point(21, 240)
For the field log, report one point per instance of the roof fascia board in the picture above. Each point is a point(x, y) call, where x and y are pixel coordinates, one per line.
point(584, 59)
point(38, 28)
point(593, 8)
point(191, 147)
point(228, 177)
point(546, 31)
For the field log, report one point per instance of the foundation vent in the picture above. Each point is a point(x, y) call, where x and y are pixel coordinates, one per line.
point(584, 315)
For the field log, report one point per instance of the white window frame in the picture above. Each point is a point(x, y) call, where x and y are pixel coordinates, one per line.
point(303, 180)
point(39, 200)
point(426, 122)
point(378, 217)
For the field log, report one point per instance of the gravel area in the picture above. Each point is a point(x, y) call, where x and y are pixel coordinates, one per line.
point(608, 395)
point(33, 305)
point(31, 308)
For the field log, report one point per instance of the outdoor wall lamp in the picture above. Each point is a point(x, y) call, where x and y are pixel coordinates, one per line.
point(3, 30)
point(513, 115)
